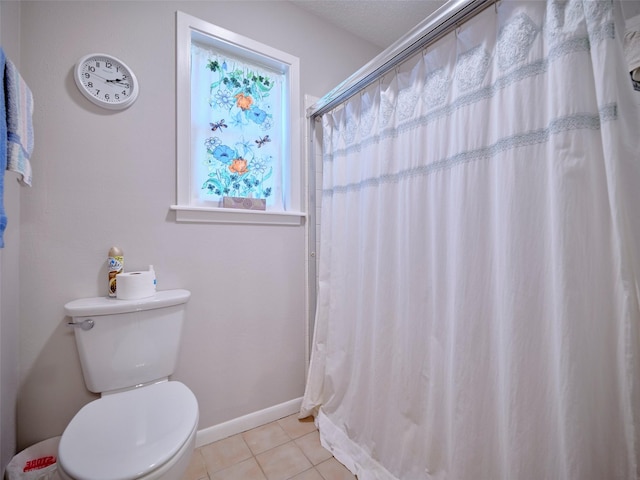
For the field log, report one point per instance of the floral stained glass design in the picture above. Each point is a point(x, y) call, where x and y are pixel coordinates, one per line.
point(236, 122)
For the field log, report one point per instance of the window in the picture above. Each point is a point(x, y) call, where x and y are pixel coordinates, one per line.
point(238, 127)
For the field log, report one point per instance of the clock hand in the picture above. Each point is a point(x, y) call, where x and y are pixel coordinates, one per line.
point(101, 78)
point(118, 81)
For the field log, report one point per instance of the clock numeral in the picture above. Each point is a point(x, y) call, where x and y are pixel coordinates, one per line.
point(91, 69)
point(87, 75)
point(97, 93)
point(106, 96)
point(124, 92)
point(108, 64)
point(90, 84)
point(117, 96)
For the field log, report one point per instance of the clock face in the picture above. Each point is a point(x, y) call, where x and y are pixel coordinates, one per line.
point(106, 81)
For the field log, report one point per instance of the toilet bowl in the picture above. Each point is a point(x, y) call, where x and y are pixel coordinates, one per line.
point(144, 425)
point(147, 433)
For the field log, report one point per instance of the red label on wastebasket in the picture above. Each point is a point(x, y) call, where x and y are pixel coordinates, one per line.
point(39, 463)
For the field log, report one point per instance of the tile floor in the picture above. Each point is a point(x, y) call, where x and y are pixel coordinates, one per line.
point(288, 449)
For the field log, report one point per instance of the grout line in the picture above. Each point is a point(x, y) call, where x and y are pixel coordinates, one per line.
point(254, 456)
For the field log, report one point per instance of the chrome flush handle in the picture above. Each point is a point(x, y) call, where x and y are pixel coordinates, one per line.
point(84, 325)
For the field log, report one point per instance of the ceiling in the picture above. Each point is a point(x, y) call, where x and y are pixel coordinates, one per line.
point(381, 22)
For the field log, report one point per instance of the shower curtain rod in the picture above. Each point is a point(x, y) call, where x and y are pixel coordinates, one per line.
point(436, 25)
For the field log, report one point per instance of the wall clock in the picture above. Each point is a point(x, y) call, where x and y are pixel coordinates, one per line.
point(106, 81)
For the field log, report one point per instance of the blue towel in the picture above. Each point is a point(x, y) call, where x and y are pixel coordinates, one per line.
point(3, 150)
point(19, 106)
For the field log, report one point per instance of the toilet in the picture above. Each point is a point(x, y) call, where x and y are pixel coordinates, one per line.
point(144, 425)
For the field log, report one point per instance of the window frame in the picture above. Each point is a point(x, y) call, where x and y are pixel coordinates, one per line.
point(292, 181)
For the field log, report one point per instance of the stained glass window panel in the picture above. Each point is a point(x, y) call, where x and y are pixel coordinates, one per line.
point(236, 128)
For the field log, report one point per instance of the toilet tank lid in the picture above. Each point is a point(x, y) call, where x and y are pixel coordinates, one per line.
point(85, 307)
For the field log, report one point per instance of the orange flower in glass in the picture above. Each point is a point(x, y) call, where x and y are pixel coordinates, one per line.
point(239, 166)
point(243, 101)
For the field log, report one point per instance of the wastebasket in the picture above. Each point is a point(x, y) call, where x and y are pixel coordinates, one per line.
point(38, 462)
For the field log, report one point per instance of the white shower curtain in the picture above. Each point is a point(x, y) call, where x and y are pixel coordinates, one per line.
point(478, 305)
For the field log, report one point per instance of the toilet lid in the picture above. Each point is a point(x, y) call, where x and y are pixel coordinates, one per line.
point(129, 434)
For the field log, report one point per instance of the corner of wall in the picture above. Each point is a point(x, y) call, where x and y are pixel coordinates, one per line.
point(9, 270)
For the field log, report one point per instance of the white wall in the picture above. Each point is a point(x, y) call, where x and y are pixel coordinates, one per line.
point(9, 267)
point(104, 178)
point(630, 8)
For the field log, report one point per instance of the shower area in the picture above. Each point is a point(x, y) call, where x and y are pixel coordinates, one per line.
point(477, 312)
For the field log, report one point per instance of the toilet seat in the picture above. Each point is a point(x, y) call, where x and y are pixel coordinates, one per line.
point(127, 435)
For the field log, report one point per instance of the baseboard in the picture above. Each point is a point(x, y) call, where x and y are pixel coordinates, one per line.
point(247, 422)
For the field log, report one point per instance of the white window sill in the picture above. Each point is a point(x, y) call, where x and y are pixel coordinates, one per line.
point(187, 213)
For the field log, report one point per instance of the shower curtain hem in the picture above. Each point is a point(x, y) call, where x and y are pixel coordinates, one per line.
point(347, 452)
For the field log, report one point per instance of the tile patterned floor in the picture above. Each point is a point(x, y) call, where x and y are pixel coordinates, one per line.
point(288, 449)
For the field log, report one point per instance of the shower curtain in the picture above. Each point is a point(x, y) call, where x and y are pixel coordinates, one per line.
point(478, 302)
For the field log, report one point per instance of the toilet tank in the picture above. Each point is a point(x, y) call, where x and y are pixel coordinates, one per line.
point(131, 342)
